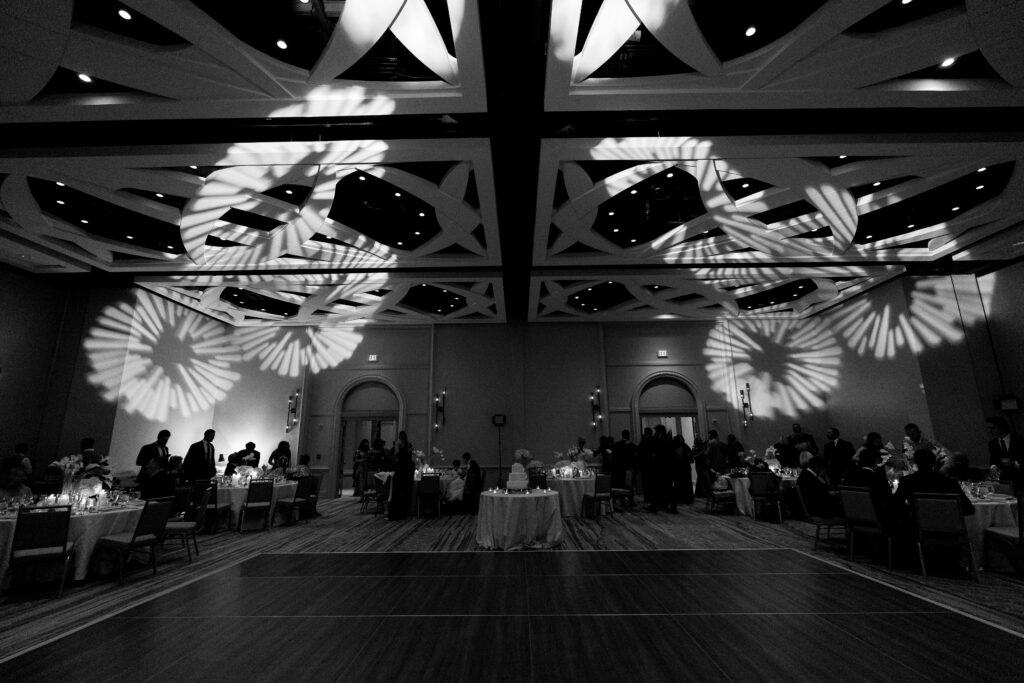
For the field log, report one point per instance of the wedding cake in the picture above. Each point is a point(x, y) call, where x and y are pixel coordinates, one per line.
point(517, 478)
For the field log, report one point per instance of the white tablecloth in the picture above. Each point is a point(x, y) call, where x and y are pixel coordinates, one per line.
point(741, 487)
point(570, 493)
point(85, 530)
point(235, 497)
point(519, 520)
point(995, 511)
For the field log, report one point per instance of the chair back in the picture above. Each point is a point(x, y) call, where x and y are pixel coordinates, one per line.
point(182, 499)
point(39, 528)
point(538, 478)
point(603, 484)
point(260, 492)
point(304, 487)
point(200, 485)
point(629, 479)
point(939, 514)
point(859, 507)
point(197, 511)
point(153, 520)
point(763, 484)
point(430, 485)
point(803, 505)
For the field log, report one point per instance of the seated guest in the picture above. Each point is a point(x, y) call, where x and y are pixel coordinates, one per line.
point(89, 454)
point(457, 486)
point(955, 466)
point(234, 461)
point(819, 499)
point(249, 456)
point(302, 469)
point(19, 458)
point(12, 483)
point(869, 476)
point(924, 480)
point(281, 463)
point(158, 482)
point(176, 469)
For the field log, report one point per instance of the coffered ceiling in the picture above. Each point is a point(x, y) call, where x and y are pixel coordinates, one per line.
point(450, 161)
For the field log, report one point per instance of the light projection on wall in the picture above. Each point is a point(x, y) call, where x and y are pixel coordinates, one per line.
point(935, 315)
point(152, 357)
point(289, 350)
point(790, 365)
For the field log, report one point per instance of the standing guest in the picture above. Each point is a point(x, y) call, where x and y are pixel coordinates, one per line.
point(838, 454)
point(604, 454)
point(401, 484)
point(474, 483)
point(176, 469)
point(157, 482)
point(645, 464)
point(402, 444)
point(1006, 451)
point(700, 462)
point(623, 455)
point(682, 480)
point(819, 499)
point(914, 440)
point(157, 449)
point(801, 441)
point(378, 456)
point(12, 483)
point(199, 460)
point(19, 458)
point(249, 456)
point(661, 481)
point(281, 466)
point(735, 451)
point(359, 467)
point(302, 469)
point(284, 450)
point(718, 454)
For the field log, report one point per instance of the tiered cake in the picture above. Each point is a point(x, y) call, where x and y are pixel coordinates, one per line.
point(517, 478)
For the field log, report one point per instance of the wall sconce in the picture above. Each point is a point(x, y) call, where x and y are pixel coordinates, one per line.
point(439, 400)
point(748, 409)
point(291, 418)
point(595, 407)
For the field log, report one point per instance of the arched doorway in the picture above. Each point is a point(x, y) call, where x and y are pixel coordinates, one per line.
point(370, 408)
point(668, 399)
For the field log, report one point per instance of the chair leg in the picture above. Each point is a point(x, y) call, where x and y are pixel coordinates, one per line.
point(849, 535)
point(184, 541)
point(920, 557)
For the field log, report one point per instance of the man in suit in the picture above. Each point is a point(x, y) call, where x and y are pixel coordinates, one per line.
point(474, 486)
point(838, 454)
point(924, 480)
point(1006, 451)
point(199, 461)
point(867, 475)
point(717, 452)
point(157, 449)
point(818, 498)
point(249, 455)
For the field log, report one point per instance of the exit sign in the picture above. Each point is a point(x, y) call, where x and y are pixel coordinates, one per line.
point(372, 358)
point(662, 353)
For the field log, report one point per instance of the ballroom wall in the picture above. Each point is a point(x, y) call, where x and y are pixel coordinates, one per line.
point(915, 349)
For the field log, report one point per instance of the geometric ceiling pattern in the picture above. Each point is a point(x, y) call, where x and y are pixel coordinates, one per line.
point(315, 163)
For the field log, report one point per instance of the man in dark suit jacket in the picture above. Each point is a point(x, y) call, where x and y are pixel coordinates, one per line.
point(924, 480)
point(867, 476)
point(838, 454)
point(199, 461)
point(1006, 451)
point(157, 449)
point(819, 499)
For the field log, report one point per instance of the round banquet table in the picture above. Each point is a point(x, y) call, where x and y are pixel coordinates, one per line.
point(995, 510)
point(85, 531)
point(570, 493)
point(510, 521)
point(235, 497)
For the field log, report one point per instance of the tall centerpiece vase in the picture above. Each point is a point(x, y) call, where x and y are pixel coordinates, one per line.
point(67, 487)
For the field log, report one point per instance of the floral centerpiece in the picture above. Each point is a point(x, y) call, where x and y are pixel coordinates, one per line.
point(246, 473)
point(79, 477)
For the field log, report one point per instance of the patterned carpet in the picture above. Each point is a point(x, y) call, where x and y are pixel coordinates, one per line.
point(31, 616)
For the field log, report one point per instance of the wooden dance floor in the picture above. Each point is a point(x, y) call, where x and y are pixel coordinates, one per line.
point(760, 614)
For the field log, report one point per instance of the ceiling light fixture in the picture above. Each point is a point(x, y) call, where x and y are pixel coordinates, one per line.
point(867, 237)
point(85, 78)
point(746, 185)
point(875, 184)
point(611, 213)
point(281, 45)
point(615, 229)
point(84, 222)
point(632, 191)
point(750, 31)
point(170, 248)
point(632, 241)
point(288, 192)
point(128, 237)
point(956, 208)
point(399, 244)
point(911, 226)
point(980, 170)
point(124, 14)
point(398, 194)
point(417, 233)
point(842, 156)
point(948, 62)
point(194, 168)
point(902, 2)
point(422, 215)
point(980, 187)
point(61, 202)
point(60, 184)
point(670, 175)
point(159, 195)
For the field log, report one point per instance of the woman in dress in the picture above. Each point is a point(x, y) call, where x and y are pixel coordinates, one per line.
point(283, 449)
point(359, 467)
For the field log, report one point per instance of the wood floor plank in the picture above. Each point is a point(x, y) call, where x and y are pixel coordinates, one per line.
point(382, 564)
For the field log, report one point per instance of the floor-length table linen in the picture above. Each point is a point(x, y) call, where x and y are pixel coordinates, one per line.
point(235, 497)
point(995, 510)
point(570, 493)
point(510, 521)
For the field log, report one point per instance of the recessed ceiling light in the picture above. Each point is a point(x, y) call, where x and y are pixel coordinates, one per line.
point(609, 282)
point(867, 237)
point(129, 237)
point(956, 208)
point(948, 62)
point(589, 288)
point(159, 195)
point(60, 184)
point(194, 168)
point(422, 214)
point(85, 78)
point(576, 297)
point(451, 306)
point(911, 226)
point(902, 2)
point(399, 244)
point(795, 295)
point(771, 302)
point(124, 14)
point(61, 202)
point(445, 291)
point(632, 241)
point(746, 185)
point(980, 170)
point(800, 287)
point(632, 191)
point(84, 222)
point(417, 233)
point(842, 156)
point(288, 192)
point(615, 229)
point(282, 45)
point(170, 248)
point(398, 194)
point(670, 175)
point(750, 31)
point(264, 310)
point(362, 177)
point(980, 187)
point(611, 213)
point(876, 184)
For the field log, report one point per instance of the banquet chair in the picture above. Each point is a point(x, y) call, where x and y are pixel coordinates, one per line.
point(148, 534)
point(182, 499)
point(1009, 539)
point(371, 496)
point(429, 489)
point(716, 499)
point(314, 495)
point(538, 478)
point(940, 522)
point(41, 536)
point(764, 490)
point(819, 522)
point(626, 493)
point(214, 509)
point(258, 501)
point(602, 496)
point(863, 517)
point(300, 501)
point(191, 524)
